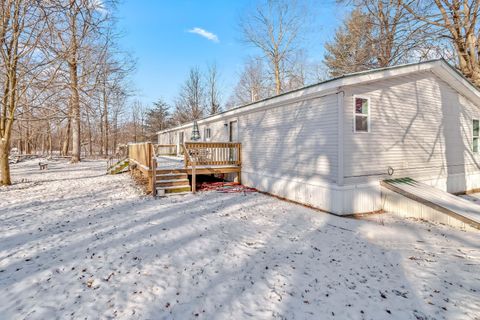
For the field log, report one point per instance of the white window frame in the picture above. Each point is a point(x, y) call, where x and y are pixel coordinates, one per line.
point(355, 114)
point(209, 136)
point(476, 136)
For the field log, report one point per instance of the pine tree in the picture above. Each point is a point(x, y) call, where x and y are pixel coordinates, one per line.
point(157, 119)
point(352, 49)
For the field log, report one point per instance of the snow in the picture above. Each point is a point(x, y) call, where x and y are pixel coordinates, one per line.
point(78, 244)
point(170, 162)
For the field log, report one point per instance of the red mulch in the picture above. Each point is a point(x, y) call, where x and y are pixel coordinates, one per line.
point(224, 187)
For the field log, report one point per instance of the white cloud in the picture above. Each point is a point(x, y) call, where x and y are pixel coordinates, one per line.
point(204, 33)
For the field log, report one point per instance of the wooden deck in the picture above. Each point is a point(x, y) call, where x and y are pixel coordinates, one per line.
point(441, 201)
point(156, 163)
point(173, 164)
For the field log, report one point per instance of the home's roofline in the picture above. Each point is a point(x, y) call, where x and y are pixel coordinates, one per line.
point(346, 80)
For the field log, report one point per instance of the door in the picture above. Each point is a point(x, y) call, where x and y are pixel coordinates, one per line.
point(233, 131)
point(232, 137)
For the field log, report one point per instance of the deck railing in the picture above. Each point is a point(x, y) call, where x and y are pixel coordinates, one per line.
point(165, 149)
point(143, 157)
point(213, 153)
point(141, 154)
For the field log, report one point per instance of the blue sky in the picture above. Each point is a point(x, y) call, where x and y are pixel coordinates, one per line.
point(157, 34)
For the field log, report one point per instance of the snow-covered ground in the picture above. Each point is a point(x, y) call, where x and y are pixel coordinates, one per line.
point(76, 243)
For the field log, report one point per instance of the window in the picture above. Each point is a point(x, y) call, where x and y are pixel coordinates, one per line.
point(361, 114)
point(207, 134)
point(476, 132)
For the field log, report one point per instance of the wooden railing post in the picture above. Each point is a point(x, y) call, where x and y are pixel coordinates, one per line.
point(239, 150)
point(150, 154)
point(185, 156)
point(154, 176)
point(194, 177)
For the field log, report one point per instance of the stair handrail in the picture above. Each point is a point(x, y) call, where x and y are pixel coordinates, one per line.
point(113, 161)
point(189, 159)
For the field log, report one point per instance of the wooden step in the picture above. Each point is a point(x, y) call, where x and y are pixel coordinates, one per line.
point(170, 171)
point(171, 176)
point(174, 189)
point(170, 183)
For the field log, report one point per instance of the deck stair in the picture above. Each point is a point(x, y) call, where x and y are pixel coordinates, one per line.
point(118, 167)
point(438, 200)
point(171, 181)
point(163, 173)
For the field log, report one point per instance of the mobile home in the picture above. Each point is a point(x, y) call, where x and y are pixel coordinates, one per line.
point(330, 145)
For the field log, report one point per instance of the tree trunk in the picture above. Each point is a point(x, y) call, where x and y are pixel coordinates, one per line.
point(66, 142)
point(105, 119)
point(115, 131)
point(76, 138)
point(278, 82)
point(101, 132)
point(75, 98)
point(49, 139)
point(4, 165)
point(90, 142)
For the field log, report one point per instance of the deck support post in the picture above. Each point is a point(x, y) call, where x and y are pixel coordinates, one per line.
point(194, 178)
point(154, 176)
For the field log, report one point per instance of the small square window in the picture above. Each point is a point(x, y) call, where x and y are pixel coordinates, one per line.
point(361, 106)
point(361, 124)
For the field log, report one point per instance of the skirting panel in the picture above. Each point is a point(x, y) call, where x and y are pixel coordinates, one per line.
point(324, 197)
point(361, 198)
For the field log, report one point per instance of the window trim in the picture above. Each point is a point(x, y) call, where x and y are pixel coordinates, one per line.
point(476, 136)
point(205, 130)
point(361, 115)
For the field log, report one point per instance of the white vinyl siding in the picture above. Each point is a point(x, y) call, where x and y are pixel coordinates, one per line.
point(421, 127)
point(297, 141)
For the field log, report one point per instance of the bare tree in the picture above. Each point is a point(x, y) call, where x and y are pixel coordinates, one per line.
point(22, 59)
point(396, 37)
point(138, 121)
point(275, 27)
point(213, 92)
point(77, 24)
point(51, 79)
point(190, 103)
point(457, 21)
point(299, 72)
point(252, 84)
point(111, 86)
